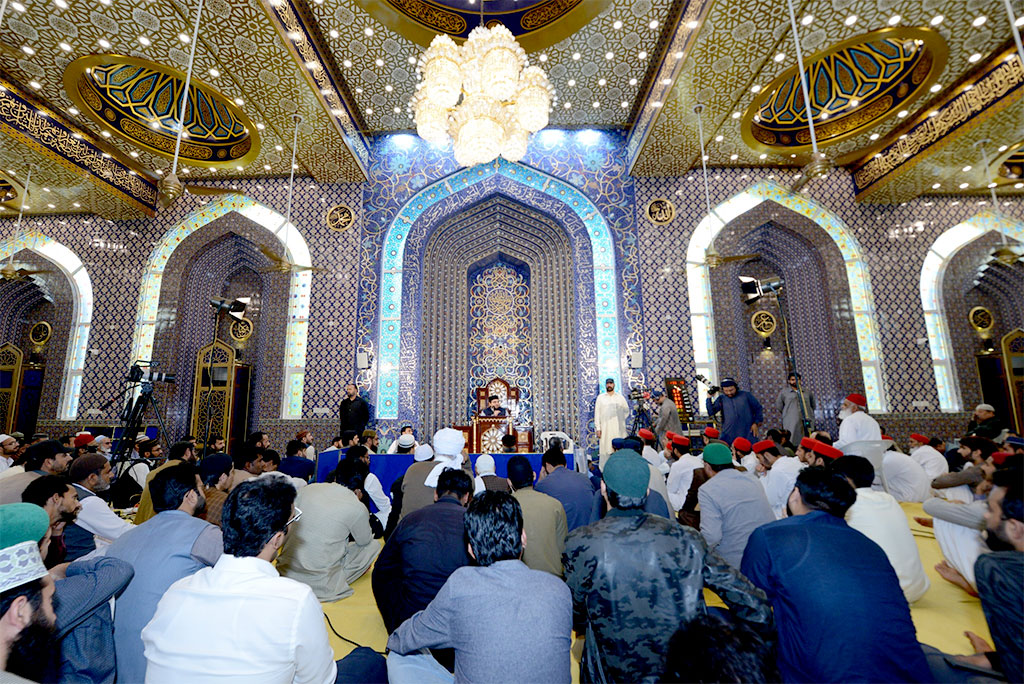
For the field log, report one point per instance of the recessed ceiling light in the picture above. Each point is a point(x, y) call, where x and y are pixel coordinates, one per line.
point(183, 37)
point(35, 84)
point(214, 73)
point(313, 65)
point(666, 81)
point(278, 148)
point(398, 110)
point(260, 127)
point(576, 55)
point(719, 138)
point(54, 206)
point(369, 110)
point(1002, 148)
point(359, 91)
point(134, 154)
point(653, 24)
point(266, 167)
point(873, 136)
point(936, 186)
point(347, 63)
point(807, 20)
point(73, 111)
point(567, 105)
point(854, 103)
point(632, 81)
point(623, 104)
point(1018, 23)
point(333, 33)
point(937, 19)
point(105, 134)
point(18, 6)
point(780, 56)
point(964, 185)
point(850, 20)
point(76, 204)
point(979, 20)
point(294, 36)
point(902, 113)
point(239, 101)
point(543, 58)
point(656, 105)
point(238, 168)
point(967, 168)
point(595, 104)
point(643, 54)
point(379, 62)
point(155, 125)
point(735, 115)
point(894, 19)
point(28, 50)
point(61, 4)
point(145, 41)
point(602, 81)
point(609, 55)
point(934, 112)
point(755, 88)
point(1018, 185)
point(411, 60)
point(104, 43)
point(679, 55)
point(64, 46)
point(617, 25)
point(734, 157)
point(935, 88)
point(368, 31)
point(974, 58)
point(991, 185)
point(762, 156)
point(572, 82)
point(389, 87)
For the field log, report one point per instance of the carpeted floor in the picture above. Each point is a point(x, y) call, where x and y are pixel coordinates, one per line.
point(941, 615)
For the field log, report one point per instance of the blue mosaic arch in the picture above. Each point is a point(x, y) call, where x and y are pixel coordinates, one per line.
point(517, 181)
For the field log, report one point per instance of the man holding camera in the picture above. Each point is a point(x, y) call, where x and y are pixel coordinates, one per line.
point(742, 414)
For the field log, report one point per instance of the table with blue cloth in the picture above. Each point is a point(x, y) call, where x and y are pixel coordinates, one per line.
point(390, 467)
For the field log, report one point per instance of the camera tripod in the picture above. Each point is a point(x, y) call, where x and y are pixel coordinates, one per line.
point(132, 417)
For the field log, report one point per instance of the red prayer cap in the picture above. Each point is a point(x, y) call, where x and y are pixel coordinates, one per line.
point(857, 399)
point(741, 444)
point(827, 451)
point(644, 433)
point(669, 435)
point(808, 443)
point(918, 437)
point(680, 440)
point(712, 433)
point(83, 439)
point(763, 445)
point(888, 438)
point(1000, 457)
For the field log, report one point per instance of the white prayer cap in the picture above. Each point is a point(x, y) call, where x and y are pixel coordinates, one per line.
point(485, 464)
point(4, 438)
point(406, 441)
point(277, 475)
point(448, 442)
point(424, 452)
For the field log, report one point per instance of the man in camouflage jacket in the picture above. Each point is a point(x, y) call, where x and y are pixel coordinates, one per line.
point(636, 578)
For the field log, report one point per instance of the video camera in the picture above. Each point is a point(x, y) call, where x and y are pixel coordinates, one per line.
point(712, 389)
point(638, 393)
point(138, 373)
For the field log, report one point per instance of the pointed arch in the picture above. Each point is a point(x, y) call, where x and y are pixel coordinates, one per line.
point(698, 282)
point(933, 270)
point(389, 312)
point(81, 314)
point(296, 251)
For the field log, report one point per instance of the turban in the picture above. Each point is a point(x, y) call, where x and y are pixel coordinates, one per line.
point(448, 443)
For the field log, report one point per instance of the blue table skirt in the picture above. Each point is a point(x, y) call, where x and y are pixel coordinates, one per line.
point(389, 467)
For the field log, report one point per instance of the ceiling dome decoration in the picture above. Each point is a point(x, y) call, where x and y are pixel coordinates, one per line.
point(536, 24)
point(854, 85)
point(138, 100)
point(1009, 166)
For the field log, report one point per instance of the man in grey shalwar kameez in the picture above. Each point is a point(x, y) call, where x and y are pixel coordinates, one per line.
point(668, 416)
point(788, 403)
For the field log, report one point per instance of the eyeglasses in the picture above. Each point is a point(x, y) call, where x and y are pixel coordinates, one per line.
point(298, 514)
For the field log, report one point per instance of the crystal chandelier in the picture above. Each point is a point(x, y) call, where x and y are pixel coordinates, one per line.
point(503, 99)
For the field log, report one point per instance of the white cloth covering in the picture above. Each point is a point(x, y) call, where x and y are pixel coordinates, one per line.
point(379, 498)
point(680, 477)
point(906, 479)
point(960, 546)
point(859, 427)
point(932, 461)
point(610, 413)
point(448, 444)
point(240, 622)
point(779, 481)
point(657, 459)
point(879, 517)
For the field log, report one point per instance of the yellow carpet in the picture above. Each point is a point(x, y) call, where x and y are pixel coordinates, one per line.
point(941, 615)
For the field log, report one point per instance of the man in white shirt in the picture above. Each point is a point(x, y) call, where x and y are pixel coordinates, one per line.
point(856, 425)
point(905, 478)
point(651, 454)
point(927, 457)
point(371, 485)
point(97, 525)
point(8, 448)
point(779, 475)
point(240, 621)
point(680, 476)
point(610, 413)
point(879, 517)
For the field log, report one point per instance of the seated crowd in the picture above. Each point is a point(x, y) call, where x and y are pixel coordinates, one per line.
point(203, 566)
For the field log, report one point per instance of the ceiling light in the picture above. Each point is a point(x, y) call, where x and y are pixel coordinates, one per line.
point(278, 148)
point(134, 154)
point(780, 56)
point(762, 156)
point(145, 41)
point(850, 20)
point(679, 55)
point(602, 82)
point(155, 125)
point(398, 110)
point(935, 88)
point(61, 4)
point(333, 33)
point(656, 105)
point(348, 63)
point(183, 37)
point(936, 186)
point(992, 185)
point(873, 136)
point(104, 43)
point(974, 58)
point(643, 54)
point(1019, 23)
point(359, 91)
point(979, 21)
point(609, 55)
point(35, 84)
point(369, 110)
point(632, 81)
point(214, 73)
point(46, 189)
point(735, 115)
point(379, 62)
point(76, 204)
point(691, 25)
point(266, 167)
point(807, 20)
point(719, 138)
point(964, 185)
point(572, 82)
point(105, 134)
point(18, 6)
point(617, 25)
point(966, 168)
point(937, 19)
point(734, 157)
point(653, 24)
point(576, 56)
point(894, 19)
point(368, 31)
point(388, 88)
point(73, 111)
point(239, 168)
point(755, 88)
point(294, 36)
point(52, 206)
point(543, 58)
point(28, 50)
point(260, 127)
point(934, 112)
point(902, 113)
point(567, 105)
point(666, 81)
point(623, 104)
point(1002, 148)
point(313, 65)
point(64, 46)
point(1018, 185)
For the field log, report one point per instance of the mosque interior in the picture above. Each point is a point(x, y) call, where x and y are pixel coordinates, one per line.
point(587, 209)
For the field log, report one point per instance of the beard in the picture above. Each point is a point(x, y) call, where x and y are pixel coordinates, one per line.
point(102, 486)
point(200, 507)
point(995, 541)
point(35, 652)
point(845, 413)
point(68, 517)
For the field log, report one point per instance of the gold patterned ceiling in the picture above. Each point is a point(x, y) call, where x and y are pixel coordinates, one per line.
point(348, 68)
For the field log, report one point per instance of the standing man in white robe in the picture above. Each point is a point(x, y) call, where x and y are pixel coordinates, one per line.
point(610, 413)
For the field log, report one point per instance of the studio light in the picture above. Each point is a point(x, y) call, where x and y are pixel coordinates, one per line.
point(233, 307)
point(753, 289)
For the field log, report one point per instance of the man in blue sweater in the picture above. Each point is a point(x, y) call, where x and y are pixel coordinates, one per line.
point(840, 612)
point(742, 414)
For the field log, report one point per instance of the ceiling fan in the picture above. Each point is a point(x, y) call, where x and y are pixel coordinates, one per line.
point(10, 270)
point(171, 189)
point(282, 265)
point(713, 259)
